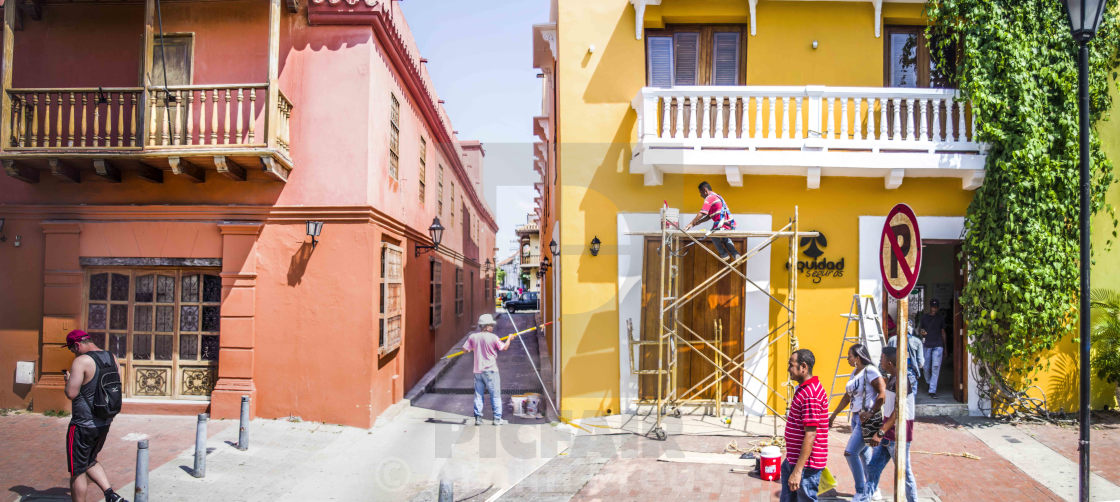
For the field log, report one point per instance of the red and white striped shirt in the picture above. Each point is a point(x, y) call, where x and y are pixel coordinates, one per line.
point(809, 408)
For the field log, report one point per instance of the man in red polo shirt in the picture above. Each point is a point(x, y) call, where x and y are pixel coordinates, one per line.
point(806, 431)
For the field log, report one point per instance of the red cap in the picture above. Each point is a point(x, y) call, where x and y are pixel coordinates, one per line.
point(76, 336)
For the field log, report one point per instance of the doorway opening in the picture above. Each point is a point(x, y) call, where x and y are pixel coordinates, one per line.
point(942, 279)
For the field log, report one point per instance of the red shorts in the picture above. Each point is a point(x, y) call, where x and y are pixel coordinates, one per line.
point(82, 446)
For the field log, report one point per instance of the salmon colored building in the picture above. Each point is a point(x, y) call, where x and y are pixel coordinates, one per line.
point(164, 171)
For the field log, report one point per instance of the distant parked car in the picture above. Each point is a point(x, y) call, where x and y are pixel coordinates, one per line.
point(528, 301)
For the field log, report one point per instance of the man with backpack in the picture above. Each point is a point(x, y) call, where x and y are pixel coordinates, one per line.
point(94, 386)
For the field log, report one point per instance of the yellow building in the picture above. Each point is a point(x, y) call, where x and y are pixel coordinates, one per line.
point(829, 107)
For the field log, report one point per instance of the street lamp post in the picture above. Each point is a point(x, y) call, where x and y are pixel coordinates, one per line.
point(1084, 18)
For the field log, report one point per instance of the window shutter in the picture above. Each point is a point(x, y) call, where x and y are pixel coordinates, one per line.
point(660, 61)
point(686, 48)
point(725, 64)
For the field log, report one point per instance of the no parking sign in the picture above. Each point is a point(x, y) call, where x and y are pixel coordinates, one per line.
point(900, 251)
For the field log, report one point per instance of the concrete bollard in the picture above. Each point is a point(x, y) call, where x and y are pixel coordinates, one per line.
point(243, 434)
point(141, 493)
point(446, 491)
point(200, 447)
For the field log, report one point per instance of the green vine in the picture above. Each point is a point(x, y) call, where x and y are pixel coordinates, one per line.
point(1016, 62)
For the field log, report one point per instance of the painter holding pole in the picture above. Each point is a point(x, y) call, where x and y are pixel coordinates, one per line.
point(900, 261)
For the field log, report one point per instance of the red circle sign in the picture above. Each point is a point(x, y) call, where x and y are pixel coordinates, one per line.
point(900, 251)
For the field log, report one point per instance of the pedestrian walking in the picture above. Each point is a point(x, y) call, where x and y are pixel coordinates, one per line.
point(806, 433)
point(931, 327)
point(485, 345)
point(865, 392)
point(914, 348)
point(93, 385)
point(884, 441)
point(715, 209)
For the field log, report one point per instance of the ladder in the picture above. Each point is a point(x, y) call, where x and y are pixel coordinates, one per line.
point(862, 310)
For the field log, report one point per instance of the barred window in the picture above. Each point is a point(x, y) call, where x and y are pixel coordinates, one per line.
point(459, 291)
point(435, 307)
point(439, 191)
point(452, 212)
point(392, 298)
point(423, 174)
point(394, 134)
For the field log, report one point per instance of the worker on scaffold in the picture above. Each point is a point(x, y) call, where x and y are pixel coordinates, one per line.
point(716, 210)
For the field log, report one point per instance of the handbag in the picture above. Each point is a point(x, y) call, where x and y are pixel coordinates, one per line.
point(873, 423)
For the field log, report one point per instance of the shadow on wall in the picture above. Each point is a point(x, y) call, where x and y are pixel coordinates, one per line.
point(21, 389)
point(298, 264)
point(1062, 389)
point(622, 51)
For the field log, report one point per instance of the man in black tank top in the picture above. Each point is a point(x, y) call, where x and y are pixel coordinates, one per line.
point(86, 433)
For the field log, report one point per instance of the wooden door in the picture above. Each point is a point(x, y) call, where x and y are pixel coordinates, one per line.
point(722, 301)
point(960, 359)
point(171, 66)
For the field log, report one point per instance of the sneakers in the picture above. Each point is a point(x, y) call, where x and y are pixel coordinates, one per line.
point(498, 421)
point(112, 496)
point(932, 395)
point(877, 496)
point(478, 420)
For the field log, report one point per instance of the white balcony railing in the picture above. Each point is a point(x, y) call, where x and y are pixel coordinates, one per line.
point(794, 130)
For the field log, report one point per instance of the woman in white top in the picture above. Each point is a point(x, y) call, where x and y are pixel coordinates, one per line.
point(865, 392)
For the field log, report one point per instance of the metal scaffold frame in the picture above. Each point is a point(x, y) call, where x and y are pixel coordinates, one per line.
point(674, 331)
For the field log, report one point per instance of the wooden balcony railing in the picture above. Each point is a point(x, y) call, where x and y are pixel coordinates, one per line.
point(174, 118)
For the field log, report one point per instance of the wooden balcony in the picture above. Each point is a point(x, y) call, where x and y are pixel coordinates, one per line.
point(810, 131)
point(185, 130)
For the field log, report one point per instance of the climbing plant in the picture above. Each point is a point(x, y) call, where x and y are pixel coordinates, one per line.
point(1016, 63)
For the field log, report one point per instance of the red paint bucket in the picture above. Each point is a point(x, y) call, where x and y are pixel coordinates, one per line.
point(769, 466)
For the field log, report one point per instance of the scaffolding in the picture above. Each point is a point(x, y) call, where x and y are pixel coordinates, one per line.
point(860, 313)
point(674, 332)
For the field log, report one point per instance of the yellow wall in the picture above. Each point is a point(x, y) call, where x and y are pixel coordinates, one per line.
point(598, 127)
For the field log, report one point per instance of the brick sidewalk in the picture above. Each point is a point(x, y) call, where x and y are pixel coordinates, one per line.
point(625, 467)
point(34, 459)
point(1104, 449)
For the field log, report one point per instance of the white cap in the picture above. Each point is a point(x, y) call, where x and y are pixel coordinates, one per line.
point(486, 320)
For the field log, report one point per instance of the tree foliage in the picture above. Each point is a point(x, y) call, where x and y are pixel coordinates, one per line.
point(1016, 64)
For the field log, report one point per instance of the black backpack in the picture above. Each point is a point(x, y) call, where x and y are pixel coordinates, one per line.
point(107, 394)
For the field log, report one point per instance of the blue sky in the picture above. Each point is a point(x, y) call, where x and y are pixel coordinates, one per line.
point(480, 56)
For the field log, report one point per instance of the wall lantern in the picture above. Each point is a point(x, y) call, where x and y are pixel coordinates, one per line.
point(486, 266)
point(3, 238)
point(595, 243)
point(545, 264)
point(314, 228)
point(554, 247)
point(436, 233)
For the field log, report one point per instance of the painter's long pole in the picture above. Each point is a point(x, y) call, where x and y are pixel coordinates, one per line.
point(534, 365)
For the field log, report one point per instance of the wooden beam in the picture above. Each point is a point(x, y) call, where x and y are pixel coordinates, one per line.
point(229, 168)
point(272, 109)
point(275, 169)
point(107, 170)
point(293, 6)
point(10, 16)
point(150, 173)
point(146, 64)
point(21, 172)
point(64, 171)
point(181, 167)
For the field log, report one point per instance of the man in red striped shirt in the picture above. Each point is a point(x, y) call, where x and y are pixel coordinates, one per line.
point(806, 424)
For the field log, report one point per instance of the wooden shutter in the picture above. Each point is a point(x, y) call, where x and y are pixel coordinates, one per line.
point(686, 49)
point(725, 61)
point(660, 61)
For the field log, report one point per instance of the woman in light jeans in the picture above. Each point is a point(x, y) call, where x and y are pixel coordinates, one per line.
point(865, 392)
